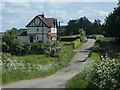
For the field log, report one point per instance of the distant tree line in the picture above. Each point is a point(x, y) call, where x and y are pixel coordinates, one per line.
point(84, 23)
point(110, 27)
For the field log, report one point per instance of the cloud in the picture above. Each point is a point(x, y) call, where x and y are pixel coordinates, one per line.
point(58, 4)
point(22, 8)
point(91, 12)
point(58, 13)
point(61, 0)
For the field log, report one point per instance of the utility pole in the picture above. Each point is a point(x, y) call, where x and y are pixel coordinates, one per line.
point(59, 27)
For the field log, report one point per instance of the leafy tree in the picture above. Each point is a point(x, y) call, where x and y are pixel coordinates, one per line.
point(83, 23)
point(72, 28)
point(9, 40)
point(97, 27)
point(112, 23)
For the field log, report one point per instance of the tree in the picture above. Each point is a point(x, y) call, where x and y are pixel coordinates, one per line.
point(112, 23)
point(97, 27)
point(74, 26)
point(10, 41)
point(85, 24)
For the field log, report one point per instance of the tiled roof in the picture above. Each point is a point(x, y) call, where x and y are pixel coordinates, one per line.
point(22, 33)
point(48, 21)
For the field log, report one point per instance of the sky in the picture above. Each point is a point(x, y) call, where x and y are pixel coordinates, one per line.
point(19, 14)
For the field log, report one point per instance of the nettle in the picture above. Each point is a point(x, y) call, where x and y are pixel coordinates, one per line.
point(107, 73)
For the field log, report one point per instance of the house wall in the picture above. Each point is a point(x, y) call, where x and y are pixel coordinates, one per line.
point(32, 31)
point(23, 38)
point(40, 38)
point(53, 30)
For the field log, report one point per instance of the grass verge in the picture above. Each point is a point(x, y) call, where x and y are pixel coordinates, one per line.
point(102, 46)
point(66, 55)
point(82, 80)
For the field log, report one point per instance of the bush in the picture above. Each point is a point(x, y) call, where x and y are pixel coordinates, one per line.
point(52, 48)
point(76, 43)
point(37, 48)
point(107, 74)
point(69, 38)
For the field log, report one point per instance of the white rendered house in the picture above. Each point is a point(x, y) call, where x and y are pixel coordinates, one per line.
point(40, 29)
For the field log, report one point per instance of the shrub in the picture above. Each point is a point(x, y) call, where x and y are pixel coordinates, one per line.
point(37, 48)
point(76, 43)
point(52, 48)
point(107, 74)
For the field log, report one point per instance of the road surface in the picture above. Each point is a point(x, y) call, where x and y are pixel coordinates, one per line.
point(58, 79)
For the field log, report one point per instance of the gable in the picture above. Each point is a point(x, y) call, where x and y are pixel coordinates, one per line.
point(37, 22)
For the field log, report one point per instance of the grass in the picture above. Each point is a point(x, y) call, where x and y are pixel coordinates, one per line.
point(41, 59)
point(76, 43)
point(66, 55)
point(102, 46)
point(80, 80)
point(107, 45)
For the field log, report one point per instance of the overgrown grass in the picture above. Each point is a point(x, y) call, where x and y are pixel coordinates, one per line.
point(107, 45)
point(66, 55)
point(41, 59)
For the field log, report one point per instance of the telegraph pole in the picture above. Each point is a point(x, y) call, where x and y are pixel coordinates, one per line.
point(59, 28)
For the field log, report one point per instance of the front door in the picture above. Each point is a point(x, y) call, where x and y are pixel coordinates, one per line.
point(31, 38)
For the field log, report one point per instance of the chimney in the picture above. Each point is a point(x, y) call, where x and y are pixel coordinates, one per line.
point(42, 15)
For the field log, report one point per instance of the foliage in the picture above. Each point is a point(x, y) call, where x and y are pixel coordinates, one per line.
point(101, 75)
point(13, 66)
point(83, 23)
point(76, 43)
point(82, 35)
point(95, 57)
point(107, 74)
point(33, 66)
point(10, 43)
point(112, 23)
point(52, 48)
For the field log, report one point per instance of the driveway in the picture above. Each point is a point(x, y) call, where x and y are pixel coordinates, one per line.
point(58, 79)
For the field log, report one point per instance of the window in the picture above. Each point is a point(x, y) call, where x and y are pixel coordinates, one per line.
point(37, 29)
point(37, 37)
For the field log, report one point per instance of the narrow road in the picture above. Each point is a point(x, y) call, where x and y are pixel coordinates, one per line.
point(58, 79)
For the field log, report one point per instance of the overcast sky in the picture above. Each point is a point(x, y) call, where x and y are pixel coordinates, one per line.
point(18, 14)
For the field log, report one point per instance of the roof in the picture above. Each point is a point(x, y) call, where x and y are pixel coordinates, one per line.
point(47, 21)
point(21, 33)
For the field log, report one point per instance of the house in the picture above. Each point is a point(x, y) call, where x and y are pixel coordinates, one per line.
point(39, 29)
